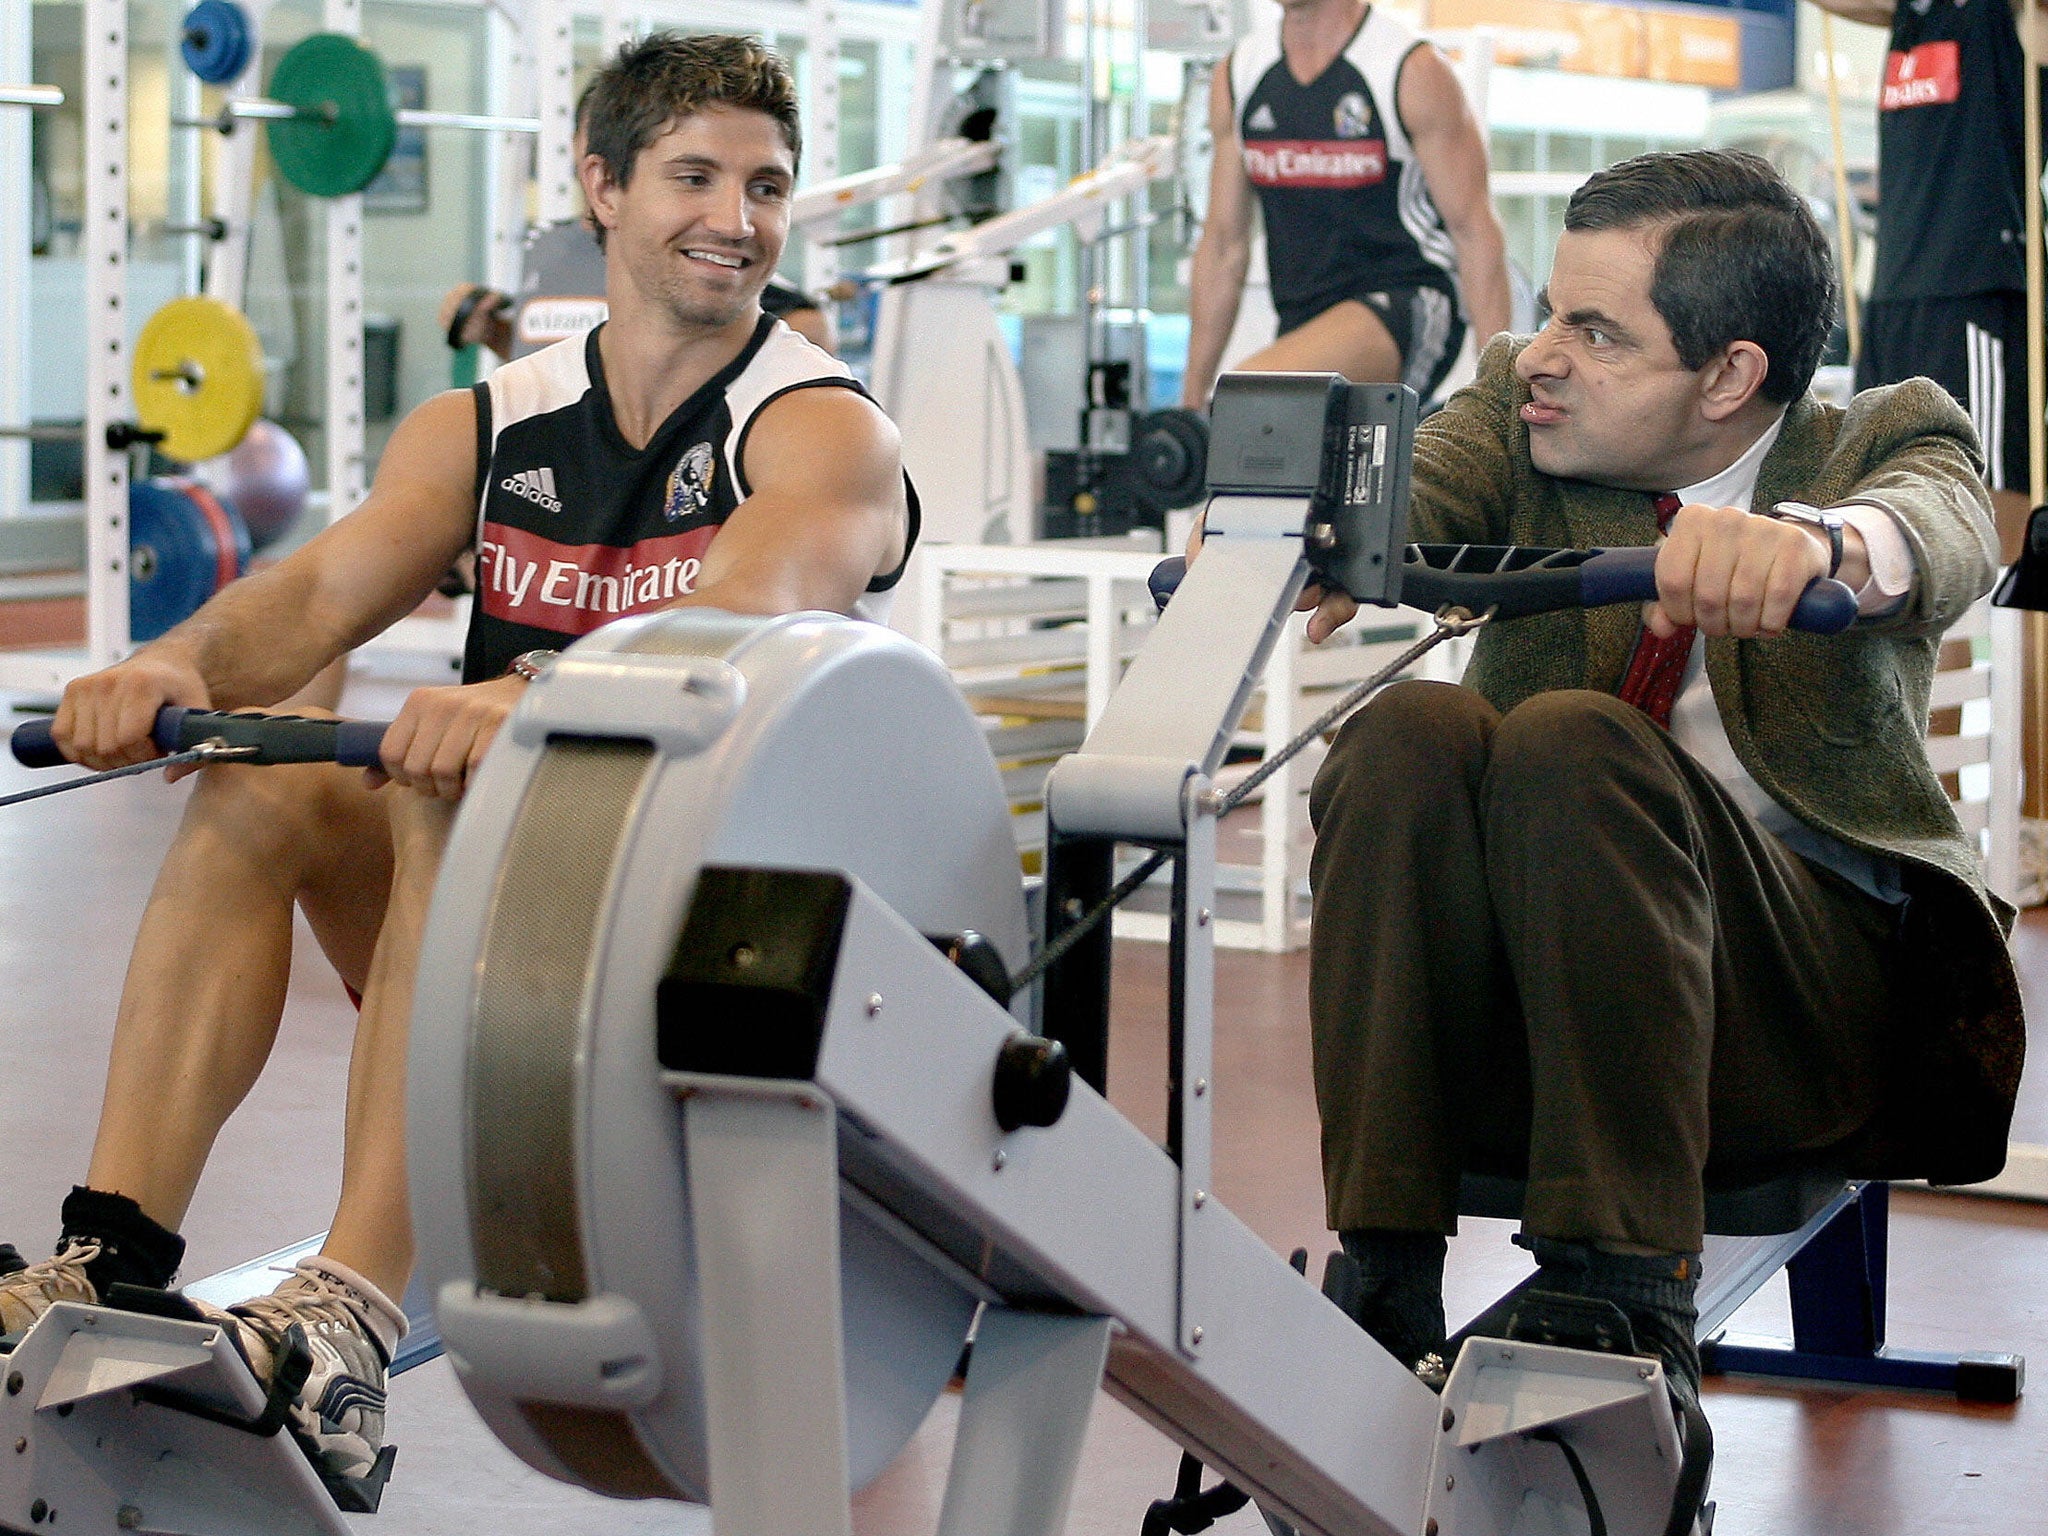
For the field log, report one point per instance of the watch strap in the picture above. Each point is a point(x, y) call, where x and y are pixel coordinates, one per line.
point(531, 665)
point(1826, 519)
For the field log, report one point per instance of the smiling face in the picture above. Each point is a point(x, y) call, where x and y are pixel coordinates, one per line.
point(1612, 402)
point(694, 234)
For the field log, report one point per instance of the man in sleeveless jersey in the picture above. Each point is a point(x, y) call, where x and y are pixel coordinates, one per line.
point(1948, 300)
point(689, 451)
point(1355, 141)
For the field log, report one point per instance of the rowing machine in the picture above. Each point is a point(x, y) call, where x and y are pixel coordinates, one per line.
point(715, 1151)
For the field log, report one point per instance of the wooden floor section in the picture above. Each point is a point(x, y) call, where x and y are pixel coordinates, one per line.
point(75, 870)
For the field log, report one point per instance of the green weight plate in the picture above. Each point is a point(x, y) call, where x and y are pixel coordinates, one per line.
point(344, 145)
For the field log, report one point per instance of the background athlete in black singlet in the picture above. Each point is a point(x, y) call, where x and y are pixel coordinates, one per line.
point(1367, 334)
point(1949, 297)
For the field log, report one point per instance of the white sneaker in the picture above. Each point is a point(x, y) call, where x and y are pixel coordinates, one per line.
point(28, 1293)
point(350, 1329)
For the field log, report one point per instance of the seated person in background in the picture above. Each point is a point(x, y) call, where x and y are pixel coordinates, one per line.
point(1381, 240)
point(690, 440)
point(1655, 897)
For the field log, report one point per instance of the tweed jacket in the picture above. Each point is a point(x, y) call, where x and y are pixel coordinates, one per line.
point(1831, 727)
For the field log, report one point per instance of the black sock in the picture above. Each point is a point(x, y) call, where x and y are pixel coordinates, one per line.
point(1401, 1289)
point(1657, 1291)
point(133, 1249)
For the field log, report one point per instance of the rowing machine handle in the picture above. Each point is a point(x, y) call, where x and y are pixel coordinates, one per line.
point(279, 738)
point(1166, 578)
point(1826, 607)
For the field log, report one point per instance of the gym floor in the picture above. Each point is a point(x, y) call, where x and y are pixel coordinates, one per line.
point(74, 875)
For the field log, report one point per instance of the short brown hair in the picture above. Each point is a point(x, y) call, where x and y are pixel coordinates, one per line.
point(666, 76)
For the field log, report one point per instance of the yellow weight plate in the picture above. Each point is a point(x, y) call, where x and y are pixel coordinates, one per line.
point(198, 377)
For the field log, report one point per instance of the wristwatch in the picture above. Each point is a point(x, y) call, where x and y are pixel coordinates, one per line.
point(531, 665)
point(1826, 519)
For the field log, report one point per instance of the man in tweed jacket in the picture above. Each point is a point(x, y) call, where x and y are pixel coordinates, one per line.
point(1557, 937)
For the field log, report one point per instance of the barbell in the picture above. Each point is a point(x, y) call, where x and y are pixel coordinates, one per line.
point(198, 371)
point(329, 116)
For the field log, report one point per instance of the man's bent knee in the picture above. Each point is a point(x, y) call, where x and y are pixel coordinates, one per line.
point(257, 801)
point(1572, 733)
point(287, 817)
point(1414, 733)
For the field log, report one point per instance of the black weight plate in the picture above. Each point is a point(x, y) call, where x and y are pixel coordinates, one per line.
point(1170, 458)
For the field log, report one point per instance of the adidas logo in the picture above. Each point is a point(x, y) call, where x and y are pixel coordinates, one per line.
point(1261, 120)
point(536, 486)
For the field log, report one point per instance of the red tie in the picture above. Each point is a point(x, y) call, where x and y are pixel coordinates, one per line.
point(1658, 666)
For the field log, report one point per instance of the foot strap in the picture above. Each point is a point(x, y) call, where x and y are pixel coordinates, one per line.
point(1192, 1507)
point(293, 1363)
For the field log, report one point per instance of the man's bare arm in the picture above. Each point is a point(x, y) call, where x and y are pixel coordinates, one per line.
point(825, 515)
point(1452, 154)
point(262, 638)
point(1223, 255)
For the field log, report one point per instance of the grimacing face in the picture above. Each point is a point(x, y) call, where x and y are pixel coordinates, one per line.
point(1612, 404)
point(702, 222)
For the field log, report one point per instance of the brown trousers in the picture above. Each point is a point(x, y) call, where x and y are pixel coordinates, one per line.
point(1549, 943)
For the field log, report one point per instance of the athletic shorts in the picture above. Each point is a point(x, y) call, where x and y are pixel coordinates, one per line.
point(1426, 327)
point(1976, 349)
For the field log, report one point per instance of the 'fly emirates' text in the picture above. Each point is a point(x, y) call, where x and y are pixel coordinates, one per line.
point(574, 588)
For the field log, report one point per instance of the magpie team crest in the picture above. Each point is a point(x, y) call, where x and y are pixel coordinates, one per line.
point(1354, 116)
point(689, 483)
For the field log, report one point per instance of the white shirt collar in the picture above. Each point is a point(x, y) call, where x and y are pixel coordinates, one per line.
point(1735, 485)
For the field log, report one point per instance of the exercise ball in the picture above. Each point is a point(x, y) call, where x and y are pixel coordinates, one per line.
point(266, 478)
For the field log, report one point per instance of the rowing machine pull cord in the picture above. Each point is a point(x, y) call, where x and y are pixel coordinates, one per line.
point(215, 751)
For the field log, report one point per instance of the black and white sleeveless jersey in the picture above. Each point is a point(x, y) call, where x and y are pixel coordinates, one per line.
point(576, 527)
point(1949, 153)
point(1346, 208)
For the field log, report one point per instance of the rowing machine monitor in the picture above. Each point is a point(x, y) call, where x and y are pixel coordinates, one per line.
point(1277, 439)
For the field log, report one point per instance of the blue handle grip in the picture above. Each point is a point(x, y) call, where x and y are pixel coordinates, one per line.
point(1826, 607)
point(359, 743)
point(1166, 578)
point(277, 738)
point(170, 720)
point(34, 746)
